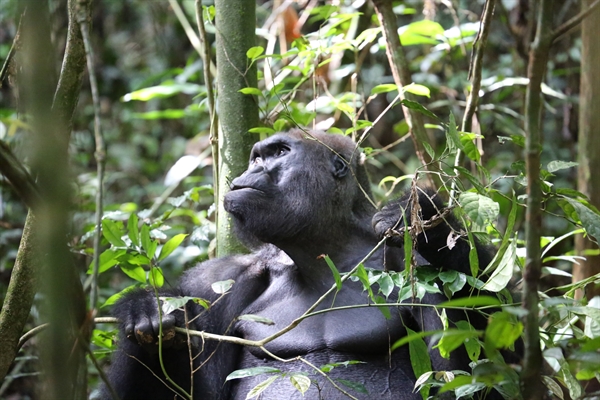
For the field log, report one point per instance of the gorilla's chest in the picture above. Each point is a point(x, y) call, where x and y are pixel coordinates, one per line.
point(361, 375)
point(343, 322)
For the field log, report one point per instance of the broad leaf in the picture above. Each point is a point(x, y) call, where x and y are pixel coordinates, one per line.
point(480, 209)
point(171, 245)
point(112, 233)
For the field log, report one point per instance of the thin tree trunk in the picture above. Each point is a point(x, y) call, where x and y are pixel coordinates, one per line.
point(64, 305)
point(531, 383)
point(235, 23)
point(402, 77)
point(589, 140)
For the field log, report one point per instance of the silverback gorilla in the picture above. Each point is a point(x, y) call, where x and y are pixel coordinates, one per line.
point(305, 194)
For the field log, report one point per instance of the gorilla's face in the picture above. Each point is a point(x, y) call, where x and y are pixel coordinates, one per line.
point(289, 188)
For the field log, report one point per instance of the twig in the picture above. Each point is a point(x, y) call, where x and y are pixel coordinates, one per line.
point(18, 176)
point(103, 376)
point(99, 154)
point(11, 52)
point(210, 95)
point(475, 68)
point(573, 22)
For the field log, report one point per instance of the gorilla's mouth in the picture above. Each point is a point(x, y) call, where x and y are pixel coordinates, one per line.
point(235, 188)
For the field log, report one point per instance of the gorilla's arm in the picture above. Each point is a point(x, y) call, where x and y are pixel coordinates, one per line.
point(432, 243)
point(136, 371)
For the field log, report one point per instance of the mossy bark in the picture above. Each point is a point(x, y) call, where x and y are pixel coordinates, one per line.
point(235, 23)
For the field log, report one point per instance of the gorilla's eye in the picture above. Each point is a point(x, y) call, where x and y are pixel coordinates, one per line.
point(281, 150)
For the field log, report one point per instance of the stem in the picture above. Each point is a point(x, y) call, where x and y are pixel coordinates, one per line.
point(475, 68)
point(531, 383)
point(99, 154)
point(214, 119)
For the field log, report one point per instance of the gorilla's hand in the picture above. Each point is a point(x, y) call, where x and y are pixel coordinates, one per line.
point(138, 314)
point(393, 218)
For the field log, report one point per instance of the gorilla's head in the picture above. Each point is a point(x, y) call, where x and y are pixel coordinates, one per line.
point(298, 185)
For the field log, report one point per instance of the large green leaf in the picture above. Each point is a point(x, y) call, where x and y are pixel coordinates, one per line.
point(162, 91)
point(589, 218)
point(246, 372)
point(171, 245)
point(419, 358)
point(501, 275)
point(480, 209)
point(112, 232)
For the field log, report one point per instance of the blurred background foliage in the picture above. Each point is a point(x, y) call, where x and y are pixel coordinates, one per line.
point(154, 112)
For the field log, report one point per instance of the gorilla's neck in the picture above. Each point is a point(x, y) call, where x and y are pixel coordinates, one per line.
point(346, 244)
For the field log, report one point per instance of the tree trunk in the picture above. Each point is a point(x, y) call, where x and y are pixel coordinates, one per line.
point(50, 108)
point(589, 141)
point(235, 23)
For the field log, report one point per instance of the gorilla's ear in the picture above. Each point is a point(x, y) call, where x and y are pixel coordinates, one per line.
point(340, 167)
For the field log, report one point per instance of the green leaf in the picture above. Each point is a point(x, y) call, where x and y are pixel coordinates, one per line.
point(113, 299)
point(363, 277)
point(162, 91)
point(256, 318)
point(108, 259)
point(419, 358)
point(554, 166)
point(420, 32)
point(501, 275)
point(472, 345)
point(251, 90)
point(416, 89)
point(221, 287)
point(148, 244)
point(254, 52)
point(112, 233)
point(588, 217)
point(246, 372)
point(457, 284)
point(468, 146)
point(480, 209)
point(132, 229)
point(262, 130)
point(413, 105)
point(300, 382)
point(384, 88)
point(328, 367)
point(452, 339)
point(171, 245)
point(356, 386)
point(261, 387)
point(161, 114)
point(553, 387)
point(502, 330)
point(156, 277)
point(134, 272)
point(384, 310)
point(475, 301)
point(334, 271)
point(408, 338)
point(386, 284)
point(170, 304)
point(279, 125)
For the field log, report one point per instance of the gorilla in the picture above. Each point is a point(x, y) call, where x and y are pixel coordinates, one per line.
point(304, 195)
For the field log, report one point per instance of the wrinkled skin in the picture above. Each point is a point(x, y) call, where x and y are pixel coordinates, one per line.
point(300, 198)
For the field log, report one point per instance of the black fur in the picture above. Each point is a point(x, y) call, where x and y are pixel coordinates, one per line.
point(302, 197)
